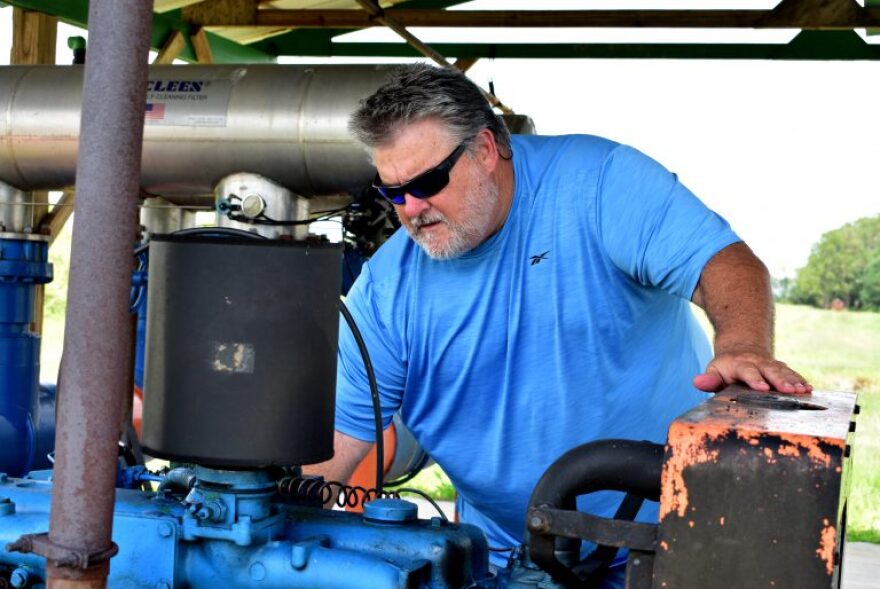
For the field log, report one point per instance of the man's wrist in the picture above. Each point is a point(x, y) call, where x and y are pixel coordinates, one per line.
point(723, 348)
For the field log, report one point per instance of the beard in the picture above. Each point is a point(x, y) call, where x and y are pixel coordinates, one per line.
point(463, 235)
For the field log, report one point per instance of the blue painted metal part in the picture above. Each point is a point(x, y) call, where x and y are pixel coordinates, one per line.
point(27, 424)
point(139, 308)
point(391, 511)
point(164, 542)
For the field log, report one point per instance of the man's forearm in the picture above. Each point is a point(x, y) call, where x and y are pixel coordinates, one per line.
point(348, 452)
point(734, 290)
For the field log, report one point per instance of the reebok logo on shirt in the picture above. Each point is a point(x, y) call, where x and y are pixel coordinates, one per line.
point(539, 258)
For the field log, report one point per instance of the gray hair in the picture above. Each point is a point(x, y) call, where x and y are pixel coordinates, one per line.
point(421, 91)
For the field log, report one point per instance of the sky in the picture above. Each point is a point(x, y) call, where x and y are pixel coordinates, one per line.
point(785, 151)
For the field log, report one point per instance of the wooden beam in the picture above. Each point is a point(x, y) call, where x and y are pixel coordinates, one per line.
point(378, 14)
point(375, 12)
point(465, 63)
point(221, 12)
point(54, 221)
point(810, 15)
point(168, 5)
point(171, 49)
point(202, 46)
point(33, 38)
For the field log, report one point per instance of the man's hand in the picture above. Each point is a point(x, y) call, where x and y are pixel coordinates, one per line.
point(734, 290)
point(759, 372)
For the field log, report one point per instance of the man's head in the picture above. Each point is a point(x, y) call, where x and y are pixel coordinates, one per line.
point(432, 131)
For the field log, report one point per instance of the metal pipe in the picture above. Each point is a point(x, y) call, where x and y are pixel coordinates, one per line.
point(17, 210)
point(23, 266)
point(617, 465)
point(98, 331)
point(284, 122)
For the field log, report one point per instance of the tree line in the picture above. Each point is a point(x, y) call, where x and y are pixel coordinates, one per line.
point(843, 269)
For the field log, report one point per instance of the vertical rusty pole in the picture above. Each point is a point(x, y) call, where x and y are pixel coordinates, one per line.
point(98, 339)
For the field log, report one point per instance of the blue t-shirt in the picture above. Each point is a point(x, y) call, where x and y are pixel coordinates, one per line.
point(570, 324)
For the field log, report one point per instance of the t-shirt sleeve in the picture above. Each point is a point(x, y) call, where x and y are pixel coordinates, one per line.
point(652, 227)
point(354, 406)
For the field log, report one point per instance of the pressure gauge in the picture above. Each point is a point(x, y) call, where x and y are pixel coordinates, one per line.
point(252, 206)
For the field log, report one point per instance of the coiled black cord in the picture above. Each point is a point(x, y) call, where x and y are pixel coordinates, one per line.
point(317, 489)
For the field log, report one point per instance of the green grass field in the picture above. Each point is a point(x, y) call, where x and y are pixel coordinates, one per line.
point(835, 350)
point(840, 350)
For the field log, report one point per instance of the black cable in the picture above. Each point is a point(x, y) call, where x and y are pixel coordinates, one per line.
point(264, 220)
point(374, 393)
point(425, 496)
point(332, 211)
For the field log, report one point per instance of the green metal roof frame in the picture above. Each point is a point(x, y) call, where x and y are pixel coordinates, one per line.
point(807, 45)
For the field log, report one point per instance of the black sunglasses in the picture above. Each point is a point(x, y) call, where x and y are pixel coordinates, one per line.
point(424, 185)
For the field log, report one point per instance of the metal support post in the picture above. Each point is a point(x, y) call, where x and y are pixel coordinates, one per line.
point(96, 374)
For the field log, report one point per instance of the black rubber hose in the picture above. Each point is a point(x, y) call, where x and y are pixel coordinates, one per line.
point(374, 393)
point(612, 465)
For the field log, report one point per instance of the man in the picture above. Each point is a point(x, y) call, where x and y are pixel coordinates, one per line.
point(537, 300)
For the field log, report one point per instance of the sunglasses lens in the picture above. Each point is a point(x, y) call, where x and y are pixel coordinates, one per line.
point(424, 186)
point(396, 197)
point(393, 194)
point(429, 184)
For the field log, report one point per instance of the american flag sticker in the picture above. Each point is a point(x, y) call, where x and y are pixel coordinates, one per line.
point(155, 111)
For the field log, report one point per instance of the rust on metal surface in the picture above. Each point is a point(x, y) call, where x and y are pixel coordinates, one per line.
point(71, 578)
point(762, 475)
point(827, 544)
point(688, 445)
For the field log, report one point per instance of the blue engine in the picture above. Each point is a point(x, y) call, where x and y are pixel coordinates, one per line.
point(231, 529)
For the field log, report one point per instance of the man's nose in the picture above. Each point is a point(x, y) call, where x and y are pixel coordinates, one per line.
point(413, 206)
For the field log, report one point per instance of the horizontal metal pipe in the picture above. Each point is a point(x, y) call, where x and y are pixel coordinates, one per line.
point(284, 122)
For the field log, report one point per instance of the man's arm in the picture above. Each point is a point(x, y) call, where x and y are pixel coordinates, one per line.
point(348, 453)
point(734, 290)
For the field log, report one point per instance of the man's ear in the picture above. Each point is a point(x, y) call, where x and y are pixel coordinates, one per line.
point(486, 150)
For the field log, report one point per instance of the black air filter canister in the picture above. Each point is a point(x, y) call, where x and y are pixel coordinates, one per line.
point(241, 351)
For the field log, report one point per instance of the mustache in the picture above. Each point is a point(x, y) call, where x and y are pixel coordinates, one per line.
point(427, 218)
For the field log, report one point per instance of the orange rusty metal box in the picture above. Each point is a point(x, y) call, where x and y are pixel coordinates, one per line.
point(754, 490)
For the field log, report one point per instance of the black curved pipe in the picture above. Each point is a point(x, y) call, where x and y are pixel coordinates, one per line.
point(605, 465)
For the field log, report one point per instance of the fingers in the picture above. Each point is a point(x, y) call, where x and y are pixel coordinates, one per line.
point(782, 378)
point(709, 382)
point(749, 373)
point(758, 372)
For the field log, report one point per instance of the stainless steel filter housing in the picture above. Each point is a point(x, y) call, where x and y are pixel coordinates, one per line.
point(287, 123)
